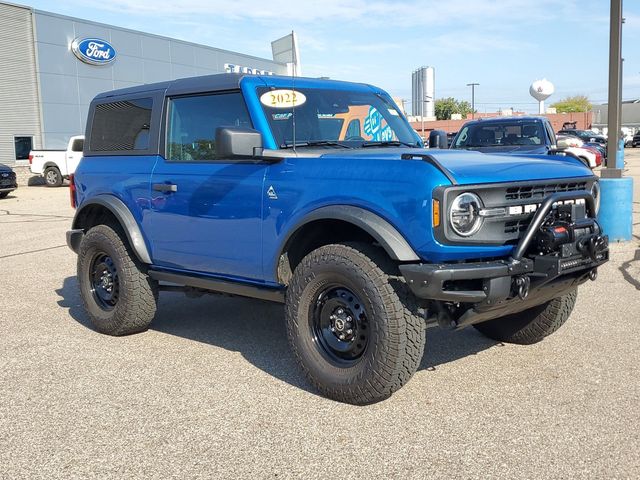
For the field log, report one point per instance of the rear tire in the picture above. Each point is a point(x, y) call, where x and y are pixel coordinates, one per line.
point(371, 306)
point(52, 177)
point(118, 296)
point(532, 325)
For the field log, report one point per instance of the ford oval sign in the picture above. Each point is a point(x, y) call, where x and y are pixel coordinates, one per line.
point(93, 51)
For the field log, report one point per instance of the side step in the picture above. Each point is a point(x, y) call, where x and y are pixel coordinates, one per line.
point(221, 286)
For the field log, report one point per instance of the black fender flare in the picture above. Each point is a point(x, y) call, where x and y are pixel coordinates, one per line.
point(126, 219)
point(382, 231)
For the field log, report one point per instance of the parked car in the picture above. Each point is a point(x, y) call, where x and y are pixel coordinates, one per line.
point(57, 165)
point(367, 238)
point(636, 139)
point(516, 136)
point(575, 146)
point(8, 182)
point(585, 135)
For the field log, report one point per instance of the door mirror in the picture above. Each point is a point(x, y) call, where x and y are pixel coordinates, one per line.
point(238, 143)
point(438, 139)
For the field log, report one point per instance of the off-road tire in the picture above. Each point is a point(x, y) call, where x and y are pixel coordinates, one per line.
point(396, 335)
point(52, 177)
point(138, 294)
point(532, 325)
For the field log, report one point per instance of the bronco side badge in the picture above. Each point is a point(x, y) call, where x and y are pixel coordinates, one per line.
point(271, 193)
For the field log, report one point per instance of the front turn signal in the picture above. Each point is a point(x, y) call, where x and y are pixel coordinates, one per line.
point(435, 212)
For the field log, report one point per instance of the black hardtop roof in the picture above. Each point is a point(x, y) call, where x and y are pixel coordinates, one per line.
point(206, 83)
point(220, 81)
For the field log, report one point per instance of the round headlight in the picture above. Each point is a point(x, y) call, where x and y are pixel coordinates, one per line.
point(464, 214)
point(595, 192)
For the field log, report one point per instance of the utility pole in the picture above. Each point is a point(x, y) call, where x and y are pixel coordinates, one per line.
point(473, 98)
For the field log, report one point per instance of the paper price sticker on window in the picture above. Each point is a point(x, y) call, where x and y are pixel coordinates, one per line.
point(283, 98)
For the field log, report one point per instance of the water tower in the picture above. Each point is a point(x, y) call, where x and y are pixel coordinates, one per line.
point(541, 90)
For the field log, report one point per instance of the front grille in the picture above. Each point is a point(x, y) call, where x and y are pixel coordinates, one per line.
point(517, 226)
point(541, 191)
point(521, 200)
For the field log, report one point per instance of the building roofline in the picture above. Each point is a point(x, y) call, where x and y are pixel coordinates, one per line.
point(129, 30)
point(18, 5)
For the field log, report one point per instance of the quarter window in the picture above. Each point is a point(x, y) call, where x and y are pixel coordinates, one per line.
point(121, 125)
point(192, 124)
point(77, 145)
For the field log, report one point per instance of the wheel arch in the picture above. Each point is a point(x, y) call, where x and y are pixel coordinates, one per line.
point(50, 165)
point(337, 223)
point(104, 207)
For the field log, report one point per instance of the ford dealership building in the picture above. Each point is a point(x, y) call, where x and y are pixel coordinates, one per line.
point(51, 66)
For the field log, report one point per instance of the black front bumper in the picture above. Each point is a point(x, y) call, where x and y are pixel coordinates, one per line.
point(492, 282)
point(499, 287)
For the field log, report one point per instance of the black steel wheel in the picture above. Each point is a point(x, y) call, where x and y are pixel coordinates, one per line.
point(118, 295)
point(339, 324)
point(353, 325)
point(105, 284)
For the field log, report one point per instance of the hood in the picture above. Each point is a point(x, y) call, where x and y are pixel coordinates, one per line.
point(515, 149)
point(5, 168)
point(468, 167)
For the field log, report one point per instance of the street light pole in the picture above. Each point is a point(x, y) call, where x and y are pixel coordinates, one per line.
point(616, 190)
point(615, 75)
point(424, 103)
point(473, 98)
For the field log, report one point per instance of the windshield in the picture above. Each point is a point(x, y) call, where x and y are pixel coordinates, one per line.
point(334, 118)
point(500, 134)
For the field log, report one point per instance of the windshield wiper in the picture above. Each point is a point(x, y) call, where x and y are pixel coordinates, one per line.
point(486, 145)
point(388, 143)
point(314, 143)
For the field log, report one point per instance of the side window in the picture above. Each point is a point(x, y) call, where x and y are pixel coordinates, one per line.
point(353, 129)
point(121, 125)
point(77, 145)
point(192, 124)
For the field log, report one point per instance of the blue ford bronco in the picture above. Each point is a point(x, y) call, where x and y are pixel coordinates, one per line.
point(319, 195)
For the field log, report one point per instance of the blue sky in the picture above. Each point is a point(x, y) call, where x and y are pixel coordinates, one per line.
point(502, 44)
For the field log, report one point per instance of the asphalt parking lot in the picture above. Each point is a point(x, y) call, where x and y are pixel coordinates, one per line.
point(212, 391)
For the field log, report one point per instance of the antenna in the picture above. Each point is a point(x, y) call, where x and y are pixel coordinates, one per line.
point(293, 87)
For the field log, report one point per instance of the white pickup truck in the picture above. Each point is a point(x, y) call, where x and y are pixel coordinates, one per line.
point(56, 165)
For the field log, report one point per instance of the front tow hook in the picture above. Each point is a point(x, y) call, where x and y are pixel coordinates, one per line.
point(521, 285)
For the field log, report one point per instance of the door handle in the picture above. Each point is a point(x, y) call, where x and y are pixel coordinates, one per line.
point(165, 187)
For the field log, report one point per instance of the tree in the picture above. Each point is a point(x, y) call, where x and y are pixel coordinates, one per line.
point(576, 103)
point(445, 107)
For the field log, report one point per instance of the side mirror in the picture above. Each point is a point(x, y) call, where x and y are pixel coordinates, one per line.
point(438, 139)
point(238, 143)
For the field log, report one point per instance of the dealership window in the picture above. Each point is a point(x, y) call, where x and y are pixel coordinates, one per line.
point(121, 125)
point(23, 145)
point(193, 122)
